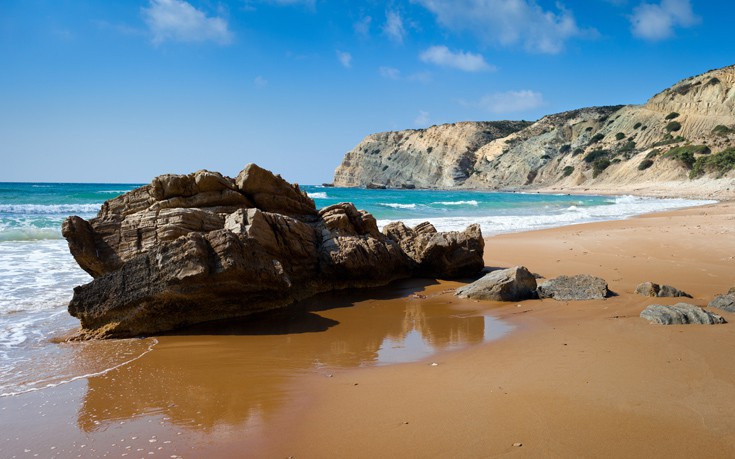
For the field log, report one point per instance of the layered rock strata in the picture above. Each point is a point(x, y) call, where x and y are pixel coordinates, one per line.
point(199, 247)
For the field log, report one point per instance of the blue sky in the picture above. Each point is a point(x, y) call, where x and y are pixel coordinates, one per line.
point(124, 90)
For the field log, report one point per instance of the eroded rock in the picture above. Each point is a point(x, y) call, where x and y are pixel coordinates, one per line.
point(200, 247)
point(512, 284)
point(578, 287)
point(726, 301)
point(662, 291)
point(680, 314)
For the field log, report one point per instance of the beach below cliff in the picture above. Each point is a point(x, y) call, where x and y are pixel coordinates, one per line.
point(537, 378)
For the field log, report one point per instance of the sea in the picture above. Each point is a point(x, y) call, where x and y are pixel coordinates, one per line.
point(38, 275)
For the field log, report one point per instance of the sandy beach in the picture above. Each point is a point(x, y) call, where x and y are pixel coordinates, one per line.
point(572, 379)
point(577, 379)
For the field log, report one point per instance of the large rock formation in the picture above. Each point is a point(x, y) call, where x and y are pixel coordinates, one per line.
point(672, 137)
point(199, 247)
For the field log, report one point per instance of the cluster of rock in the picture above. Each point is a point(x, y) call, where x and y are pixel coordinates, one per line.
point(517, 284)
point(199, 247)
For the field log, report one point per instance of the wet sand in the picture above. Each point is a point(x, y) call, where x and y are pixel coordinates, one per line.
point(575, 379)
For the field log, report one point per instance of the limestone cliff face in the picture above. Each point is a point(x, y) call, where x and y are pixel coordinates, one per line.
point(598, 147)
point(440, 156)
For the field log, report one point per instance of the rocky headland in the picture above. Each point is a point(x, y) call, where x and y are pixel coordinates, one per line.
point(192, 248)
point(681, 142)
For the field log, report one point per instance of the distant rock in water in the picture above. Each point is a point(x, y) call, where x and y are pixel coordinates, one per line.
point(512, 284)
point(578, 287)
point(200, 247)
point(680, 314)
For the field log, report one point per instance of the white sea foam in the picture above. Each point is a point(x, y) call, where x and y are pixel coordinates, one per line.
point(471, 202)
point(318, 195)
point(28, 233)
point(396, 205)
point(113, 191)
point(623, 207)
point(42, 209)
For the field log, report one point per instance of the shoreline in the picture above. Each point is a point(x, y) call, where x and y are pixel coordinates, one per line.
point(573, 378)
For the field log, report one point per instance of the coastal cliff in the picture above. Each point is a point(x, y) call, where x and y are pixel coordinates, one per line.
point(682, 136)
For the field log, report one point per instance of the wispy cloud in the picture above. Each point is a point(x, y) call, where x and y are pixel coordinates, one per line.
point(422, 120)
point(442, 56)
point(656, 21)
point(362, 27)
point(393, 27)
point(509, 23)
point(344, 58)
point(177, 20)
point(390, 73)
point(260, 82)
point(508, 102)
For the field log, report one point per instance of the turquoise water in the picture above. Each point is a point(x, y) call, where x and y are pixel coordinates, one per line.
point(38, 275)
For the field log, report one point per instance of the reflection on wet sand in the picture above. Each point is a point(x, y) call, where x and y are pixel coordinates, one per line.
point(229, 372)
point(218, 383)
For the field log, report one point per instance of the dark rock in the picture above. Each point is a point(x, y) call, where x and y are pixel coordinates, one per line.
point(512, 284)
point(726, 301)
point(375, 186)
point(662, 291)
point(578, 287)
point(199, 247)
point(445, 255)
point(680, 314)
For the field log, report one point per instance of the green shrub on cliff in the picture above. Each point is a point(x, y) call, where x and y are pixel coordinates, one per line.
point(619, 136)
point(673, 126)
point(596, 138)
point(722, 130)
point(568, 171)
point(720, 164)
point(645, 164)
point(599, 165)
point(671, 116)
point(592, 156)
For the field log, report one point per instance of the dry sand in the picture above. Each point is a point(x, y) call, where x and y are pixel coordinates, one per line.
point(576, 379)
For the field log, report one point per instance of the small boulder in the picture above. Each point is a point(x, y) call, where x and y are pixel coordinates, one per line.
point(662, 291)
point(726, 301)
point(512, 284)
point(680, 314)
point(579, 287)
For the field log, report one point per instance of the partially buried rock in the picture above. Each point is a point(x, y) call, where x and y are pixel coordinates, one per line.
point(726, 301)
point(578, 287)
point(200, 247)
point(662, 291)
point(680, 314)
point(512, 284)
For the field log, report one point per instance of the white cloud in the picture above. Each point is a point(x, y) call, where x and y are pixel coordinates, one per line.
point(362, 27)
point(344, 58)
point(260, 82)
point(442, 56)
point(390, 73)
point(393, 27)
point(177, 20)
point(509, 101)
point(509, 22)
point(656, 21)
point(422, 120)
